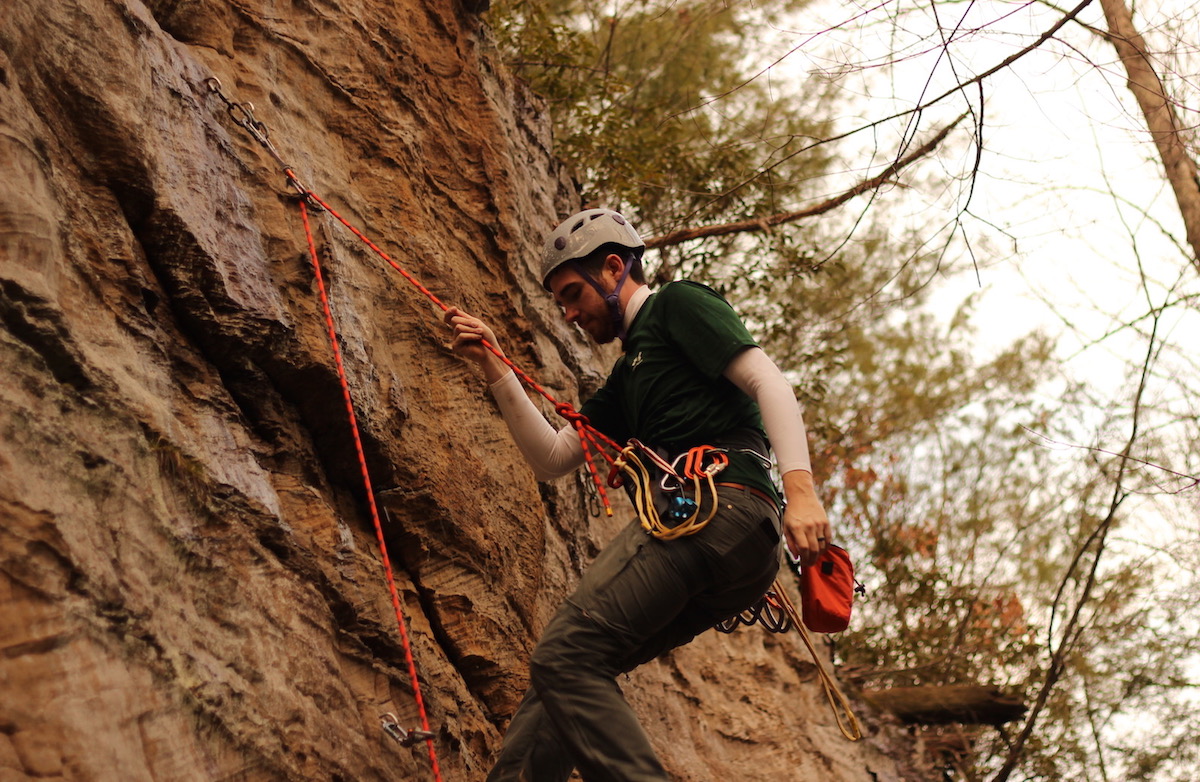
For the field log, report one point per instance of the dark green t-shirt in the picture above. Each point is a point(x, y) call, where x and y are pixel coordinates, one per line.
point(667, 389)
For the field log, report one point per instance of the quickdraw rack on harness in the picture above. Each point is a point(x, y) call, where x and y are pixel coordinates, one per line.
point(769, 612)
point(683, 515)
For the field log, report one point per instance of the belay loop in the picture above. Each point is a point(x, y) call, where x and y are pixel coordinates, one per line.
point(684, 514)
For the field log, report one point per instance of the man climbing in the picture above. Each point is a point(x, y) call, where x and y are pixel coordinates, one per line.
point(690, 374)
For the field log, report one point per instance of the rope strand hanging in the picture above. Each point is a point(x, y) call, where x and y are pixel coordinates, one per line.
point(366, 476)
point(778, 614)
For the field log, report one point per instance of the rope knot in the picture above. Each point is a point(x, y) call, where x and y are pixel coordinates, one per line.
point(568, 412)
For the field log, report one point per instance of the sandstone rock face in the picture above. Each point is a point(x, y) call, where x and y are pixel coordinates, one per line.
point(190, 582)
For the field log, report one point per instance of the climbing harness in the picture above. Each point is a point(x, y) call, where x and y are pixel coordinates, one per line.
point(777, 613)
point(682, 514)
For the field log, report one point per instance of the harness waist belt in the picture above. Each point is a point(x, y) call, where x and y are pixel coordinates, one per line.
point(751, 490)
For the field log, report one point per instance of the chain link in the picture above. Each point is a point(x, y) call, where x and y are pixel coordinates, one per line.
point(242, 114)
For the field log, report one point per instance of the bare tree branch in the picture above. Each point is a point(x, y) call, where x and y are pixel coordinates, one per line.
point(1192, 480)
point(916, 110)
point(1074, 625)
point(1160, 117)
point(765, 223)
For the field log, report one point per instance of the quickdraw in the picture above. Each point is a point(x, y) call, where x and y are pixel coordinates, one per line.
point(683, 515)
point(769, 612)
point(404, 737)
point(242, 114)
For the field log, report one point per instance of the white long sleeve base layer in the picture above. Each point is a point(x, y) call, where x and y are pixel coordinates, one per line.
point(552, 453)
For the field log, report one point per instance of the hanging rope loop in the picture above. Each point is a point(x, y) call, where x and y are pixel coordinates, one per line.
point(776, 612)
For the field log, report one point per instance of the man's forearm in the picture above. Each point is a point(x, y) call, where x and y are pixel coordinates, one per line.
point(550, 452)
point(798, 486)
point(805, 525)
point(493, 368)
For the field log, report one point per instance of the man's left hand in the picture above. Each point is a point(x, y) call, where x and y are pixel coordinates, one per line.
point(805, 525)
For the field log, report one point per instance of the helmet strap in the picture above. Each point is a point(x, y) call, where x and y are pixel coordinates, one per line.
point(613, 300)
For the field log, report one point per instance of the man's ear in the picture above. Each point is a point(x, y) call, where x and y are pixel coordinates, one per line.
point(614, 264)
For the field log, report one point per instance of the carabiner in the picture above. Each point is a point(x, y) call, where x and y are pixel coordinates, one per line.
point(694, 467)
point(406, 738)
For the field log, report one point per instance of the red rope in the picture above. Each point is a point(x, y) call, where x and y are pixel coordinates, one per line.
point(590, 438)
point(366, 476)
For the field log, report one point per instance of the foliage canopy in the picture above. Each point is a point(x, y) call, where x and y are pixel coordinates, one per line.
point(982, 537)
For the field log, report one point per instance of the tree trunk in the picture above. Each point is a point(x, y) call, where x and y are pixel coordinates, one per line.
point(970, 704)
point(1160, 116)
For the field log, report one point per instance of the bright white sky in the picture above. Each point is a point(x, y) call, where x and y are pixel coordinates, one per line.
point(1061, 136)
point(1061, 133)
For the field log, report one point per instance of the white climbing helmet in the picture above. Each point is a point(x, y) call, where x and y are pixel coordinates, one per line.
point(580, 234)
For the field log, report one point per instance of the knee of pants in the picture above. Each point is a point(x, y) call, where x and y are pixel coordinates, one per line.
point(547, 667)
point(571, 646)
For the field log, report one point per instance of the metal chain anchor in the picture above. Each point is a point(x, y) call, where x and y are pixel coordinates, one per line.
point(242, 114)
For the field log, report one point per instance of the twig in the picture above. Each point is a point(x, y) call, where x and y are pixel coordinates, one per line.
point(765, 223)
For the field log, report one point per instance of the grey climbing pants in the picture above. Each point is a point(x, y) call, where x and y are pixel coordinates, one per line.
point(639, 599)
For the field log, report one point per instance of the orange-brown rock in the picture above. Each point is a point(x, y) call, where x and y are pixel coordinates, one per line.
point(190, 584)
